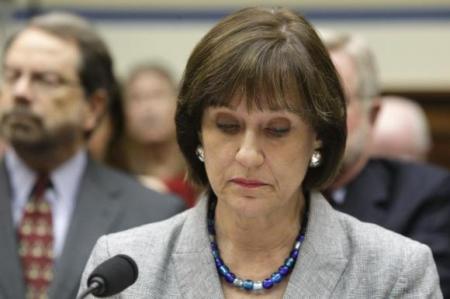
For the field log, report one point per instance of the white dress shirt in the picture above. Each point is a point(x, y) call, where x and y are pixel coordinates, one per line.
point(338, 195)
point(62, 197)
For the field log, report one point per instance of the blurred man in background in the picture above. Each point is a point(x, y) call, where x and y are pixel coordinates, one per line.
point(401, 130)
point(411, 199)
point(54, 200)
point(2, 142)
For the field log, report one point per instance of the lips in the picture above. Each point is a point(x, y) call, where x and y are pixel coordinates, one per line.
point(21, 119)
point(248, 183)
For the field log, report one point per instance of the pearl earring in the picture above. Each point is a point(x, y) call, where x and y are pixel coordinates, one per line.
point(316, 159)
point(200, 153)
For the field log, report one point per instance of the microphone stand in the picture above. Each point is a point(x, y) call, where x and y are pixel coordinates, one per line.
point(92, 287)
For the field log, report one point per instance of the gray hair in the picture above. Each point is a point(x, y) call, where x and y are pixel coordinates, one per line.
point(358, 49)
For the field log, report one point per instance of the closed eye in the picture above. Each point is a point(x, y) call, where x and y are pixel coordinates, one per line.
point(49, 79)
point(277, 131)
point(229, 128)
point(10, 76)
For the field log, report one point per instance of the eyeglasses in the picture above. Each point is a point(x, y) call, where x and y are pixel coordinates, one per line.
point(41, 82)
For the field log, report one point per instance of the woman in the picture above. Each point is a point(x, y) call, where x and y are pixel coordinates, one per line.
point(261, 122)
point(148, 145)
point(144, 142)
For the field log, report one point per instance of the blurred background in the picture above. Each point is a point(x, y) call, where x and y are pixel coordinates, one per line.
point(411, 39)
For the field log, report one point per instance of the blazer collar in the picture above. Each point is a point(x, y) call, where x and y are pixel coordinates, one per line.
point(195, 268)
point(322, 258)
point(318, 269)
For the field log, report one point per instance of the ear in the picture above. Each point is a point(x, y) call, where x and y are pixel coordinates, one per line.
point(374, 110)
point(200, 139)
point(96, 108)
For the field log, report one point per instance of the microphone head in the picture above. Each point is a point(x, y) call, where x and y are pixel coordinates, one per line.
point(114, 275)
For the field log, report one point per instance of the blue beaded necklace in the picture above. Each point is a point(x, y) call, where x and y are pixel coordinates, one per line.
point(247, 284)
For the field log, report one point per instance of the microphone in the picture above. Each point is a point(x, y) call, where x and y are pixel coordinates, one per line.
point(111, 277)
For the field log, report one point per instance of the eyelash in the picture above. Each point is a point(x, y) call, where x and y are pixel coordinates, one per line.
point(11, 76)
point(277, 132)
point(271, 131)
point(228, 128)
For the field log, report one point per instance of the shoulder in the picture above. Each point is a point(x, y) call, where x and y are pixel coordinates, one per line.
point(385, 263)
point(154, 238)
point(356, 239)
point(115, 178)
point(154, 242)
point(125, 186)
point(413, 172)
point(391, 262)
point(151, 246)
point(373, 240)
point(409, 179)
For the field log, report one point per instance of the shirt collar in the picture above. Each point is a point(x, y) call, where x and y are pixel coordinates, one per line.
point(22, 177)
point(65, 179)
point(338, 195)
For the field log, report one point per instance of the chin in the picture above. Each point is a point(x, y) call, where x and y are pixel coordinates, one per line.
point(250, 206)
point(32, 141)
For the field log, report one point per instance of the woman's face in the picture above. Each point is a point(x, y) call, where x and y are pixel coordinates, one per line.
point(150, 104)
point(256, 160)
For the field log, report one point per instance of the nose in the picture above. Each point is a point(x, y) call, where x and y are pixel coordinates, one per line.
point(22, 90)
point(250, 154)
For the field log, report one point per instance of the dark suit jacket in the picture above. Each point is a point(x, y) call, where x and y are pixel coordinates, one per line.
point(408, 198)
point(107, 201)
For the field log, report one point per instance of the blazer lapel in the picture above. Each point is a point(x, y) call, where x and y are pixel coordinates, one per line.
point(95, 210)
point(195, 269)
point(11, 277)
point(321, 262)
point(322, 257)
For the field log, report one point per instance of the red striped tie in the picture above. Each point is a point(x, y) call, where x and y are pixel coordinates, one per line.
point(35, 237)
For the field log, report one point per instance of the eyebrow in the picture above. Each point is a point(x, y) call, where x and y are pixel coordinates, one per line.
point(277, 113)
point(40, 72)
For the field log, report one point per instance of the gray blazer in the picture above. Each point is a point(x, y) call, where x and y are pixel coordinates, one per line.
point(341, 257)
point(107, 202)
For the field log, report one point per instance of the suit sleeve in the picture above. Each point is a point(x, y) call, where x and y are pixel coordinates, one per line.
point(418, 278)
point(98, 255)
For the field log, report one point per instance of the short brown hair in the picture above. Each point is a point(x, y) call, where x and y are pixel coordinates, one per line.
point(96, 66)
point(269, 57)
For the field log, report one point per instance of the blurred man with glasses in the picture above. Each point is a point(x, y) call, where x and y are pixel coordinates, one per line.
point(409, 198)
point(55, 201)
